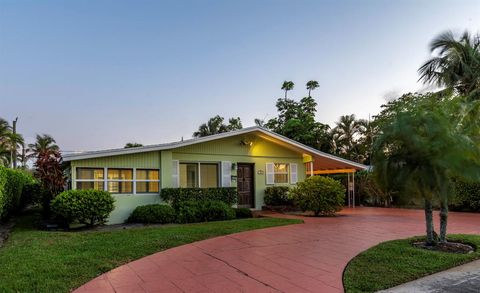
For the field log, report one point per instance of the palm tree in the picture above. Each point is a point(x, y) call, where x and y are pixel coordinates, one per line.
point(44, 143)
point(345, 135)
point(311, 85)
point(456, 65)
point(287, 86)
point(214, 125)
point(418, 152)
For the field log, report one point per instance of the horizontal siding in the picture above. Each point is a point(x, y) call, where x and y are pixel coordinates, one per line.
point(140, 160)
point(232, 146)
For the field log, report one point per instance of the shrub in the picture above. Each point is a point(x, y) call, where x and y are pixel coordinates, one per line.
point(176, 195)
point(89, 207)
point(153, 213)
point(467, 196)
point(322, 195)
point(277, 196)
point(203, 211)
point(242, 213)
point(12, 185)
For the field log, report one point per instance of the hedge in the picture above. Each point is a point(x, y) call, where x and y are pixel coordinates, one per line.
point(153, 213)
point(14, 193)
point(174, 196)
point(277, 196)
point(467, 196)
point(193, 211)
point(89, 207)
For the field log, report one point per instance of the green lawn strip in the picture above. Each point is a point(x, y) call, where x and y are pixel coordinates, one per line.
point(41, 261)
point(396, 262)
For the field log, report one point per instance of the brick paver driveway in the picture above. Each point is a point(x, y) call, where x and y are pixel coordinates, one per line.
point(307, 257)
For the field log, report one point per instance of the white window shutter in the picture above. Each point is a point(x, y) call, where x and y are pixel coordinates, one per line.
point(269, 173)
point(226, 174)
point(175, 171)
point(293, 173)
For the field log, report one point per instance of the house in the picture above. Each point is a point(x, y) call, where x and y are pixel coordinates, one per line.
point(250, 159)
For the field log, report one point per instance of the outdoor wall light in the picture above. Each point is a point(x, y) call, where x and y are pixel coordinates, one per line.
point(246, 142)
point(234, 166)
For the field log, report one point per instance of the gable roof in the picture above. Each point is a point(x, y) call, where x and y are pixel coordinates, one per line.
point(173, 145)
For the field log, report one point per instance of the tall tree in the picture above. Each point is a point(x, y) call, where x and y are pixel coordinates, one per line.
point(234, 124)
point(287, 86)
point(42, 144)
point(455, 64)
point(296, 120)
point(421, 148)
point(215, 125)
point(311, 85)
point(345, 135)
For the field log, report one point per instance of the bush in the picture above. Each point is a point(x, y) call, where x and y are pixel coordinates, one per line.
point(89, 207)
point(174, 196)
point(322, 195)
point(467, 196)
point(193, 211)
point(12, 185)
point(153, 213)
point(242, 213)
point(277, 196)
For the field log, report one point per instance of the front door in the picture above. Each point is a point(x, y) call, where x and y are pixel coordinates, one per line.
point(245, 185)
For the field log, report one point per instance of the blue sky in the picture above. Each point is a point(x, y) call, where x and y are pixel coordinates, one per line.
point(98, 74)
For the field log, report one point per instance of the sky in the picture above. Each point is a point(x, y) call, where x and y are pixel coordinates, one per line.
point(96, 74)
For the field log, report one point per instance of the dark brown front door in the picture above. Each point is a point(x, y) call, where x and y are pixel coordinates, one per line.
point(245, 185)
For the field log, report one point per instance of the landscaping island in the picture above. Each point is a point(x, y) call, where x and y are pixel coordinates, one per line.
point(392, 263)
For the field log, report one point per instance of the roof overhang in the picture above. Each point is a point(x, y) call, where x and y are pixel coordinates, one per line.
point(327, 161)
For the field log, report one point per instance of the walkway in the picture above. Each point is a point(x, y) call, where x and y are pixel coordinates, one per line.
point(307, 257)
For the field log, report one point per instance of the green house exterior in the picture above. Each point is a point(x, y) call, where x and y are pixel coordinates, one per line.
point(250, 159)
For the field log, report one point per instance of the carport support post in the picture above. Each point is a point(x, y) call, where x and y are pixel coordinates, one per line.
point(348, 188)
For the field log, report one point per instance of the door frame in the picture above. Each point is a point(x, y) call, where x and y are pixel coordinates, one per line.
point(252, 165)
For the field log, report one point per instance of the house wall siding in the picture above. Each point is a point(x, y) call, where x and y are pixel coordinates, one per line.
point(260, 152)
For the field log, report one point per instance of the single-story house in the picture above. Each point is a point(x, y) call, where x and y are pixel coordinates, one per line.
point(250, 159)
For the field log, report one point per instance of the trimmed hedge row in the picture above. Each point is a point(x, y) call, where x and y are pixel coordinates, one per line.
point(16, 187)
point(174, 196)
point(153, 213)
point(191, 211)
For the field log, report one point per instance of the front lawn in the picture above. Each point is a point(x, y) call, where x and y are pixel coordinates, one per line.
point(396, 262)
point(41, 261)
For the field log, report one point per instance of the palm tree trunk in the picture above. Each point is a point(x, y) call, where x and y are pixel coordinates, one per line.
point(285, 95)
point(429, 222)
point(443, 220)
point(309, 93)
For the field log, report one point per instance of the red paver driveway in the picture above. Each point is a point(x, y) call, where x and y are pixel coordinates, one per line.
point(307, 257)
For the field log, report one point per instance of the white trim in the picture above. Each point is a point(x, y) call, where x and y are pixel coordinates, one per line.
point(168, 146)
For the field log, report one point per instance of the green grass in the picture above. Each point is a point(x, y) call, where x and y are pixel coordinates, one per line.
point(42, 261)
point(396, 262)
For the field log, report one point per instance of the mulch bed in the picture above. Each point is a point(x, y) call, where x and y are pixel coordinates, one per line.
point(451, 247)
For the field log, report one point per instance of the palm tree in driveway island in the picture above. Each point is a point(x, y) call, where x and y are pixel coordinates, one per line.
point(420, 150)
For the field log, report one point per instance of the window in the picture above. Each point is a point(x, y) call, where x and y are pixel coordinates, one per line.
point(208, 175)
point(203, 175)
point(188, 175)
point(120, 180)
point(90, 178)
point(147, 181)
point(280, 172)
